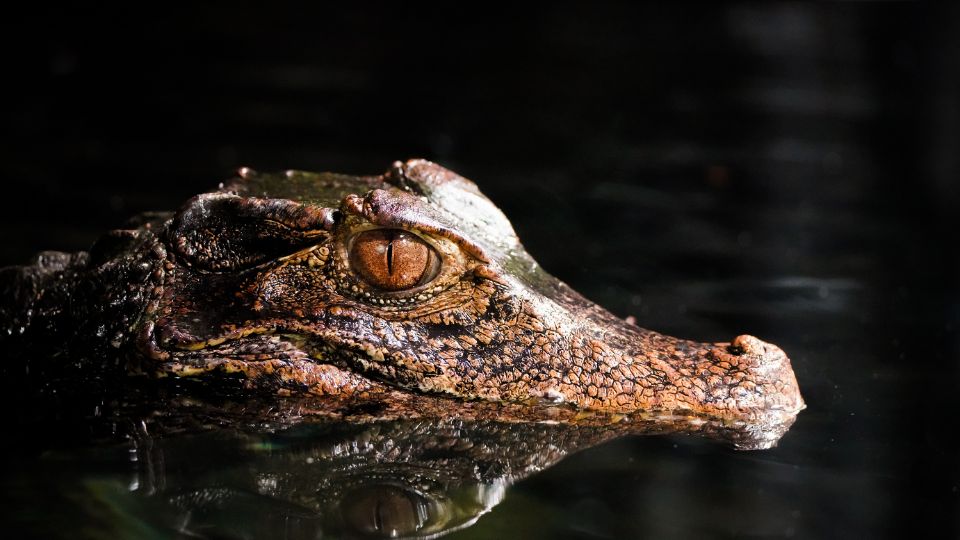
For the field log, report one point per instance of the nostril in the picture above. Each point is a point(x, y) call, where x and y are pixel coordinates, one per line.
point(747, 344)
point(763, 352)
point(735, 350)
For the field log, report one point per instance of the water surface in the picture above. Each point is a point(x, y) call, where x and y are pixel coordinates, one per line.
point(785, 170)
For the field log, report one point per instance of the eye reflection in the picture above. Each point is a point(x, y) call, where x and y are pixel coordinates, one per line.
point(385, 511)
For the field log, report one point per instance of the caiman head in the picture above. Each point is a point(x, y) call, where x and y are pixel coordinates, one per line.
point(413, 281)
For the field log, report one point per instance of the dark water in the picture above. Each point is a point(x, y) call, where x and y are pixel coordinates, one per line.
point(785, 170)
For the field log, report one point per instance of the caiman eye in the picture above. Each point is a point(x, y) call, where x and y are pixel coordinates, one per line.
point(393, 259)
point(385, 511)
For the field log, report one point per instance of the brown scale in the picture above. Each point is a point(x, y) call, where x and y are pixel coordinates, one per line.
point(411, 281)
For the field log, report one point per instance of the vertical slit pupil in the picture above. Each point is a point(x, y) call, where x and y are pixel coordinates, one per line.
point(392, 260)
point(378, 516)
point(390, 255)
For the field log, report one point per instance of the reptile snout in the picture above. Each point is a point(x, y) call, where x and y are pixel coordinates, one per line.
point(767, 355)
point(758, 376)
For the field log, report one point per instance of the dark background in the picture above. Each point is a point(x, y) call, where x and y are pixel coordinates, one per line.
point(784, 169)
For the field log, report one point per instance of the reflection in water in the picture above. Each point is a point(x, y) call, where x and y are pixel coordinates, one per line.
point(392, 473)
point(392, 479)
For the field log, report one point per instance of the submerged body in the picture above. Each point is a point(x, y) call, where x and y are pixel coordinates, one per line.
point(411, 282)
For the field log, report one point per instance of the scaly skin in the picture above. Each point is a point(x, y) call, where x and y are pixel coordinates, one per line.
point(256, 281)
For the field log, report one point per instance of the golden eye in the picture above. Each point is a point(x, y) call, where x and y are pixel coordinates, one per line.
point(393, 259)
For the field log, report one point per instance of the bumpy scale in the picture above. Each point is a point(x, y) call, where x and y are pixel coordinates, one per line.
point(335, 285)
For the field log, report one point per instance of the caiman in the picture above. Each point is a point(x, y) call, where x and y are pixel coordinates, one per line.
point(377, 287)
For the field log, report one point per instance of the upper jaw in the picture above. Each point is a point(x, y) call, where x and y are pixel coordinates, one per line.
point(747, 379)
point(642, 370)
point(598, 361)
